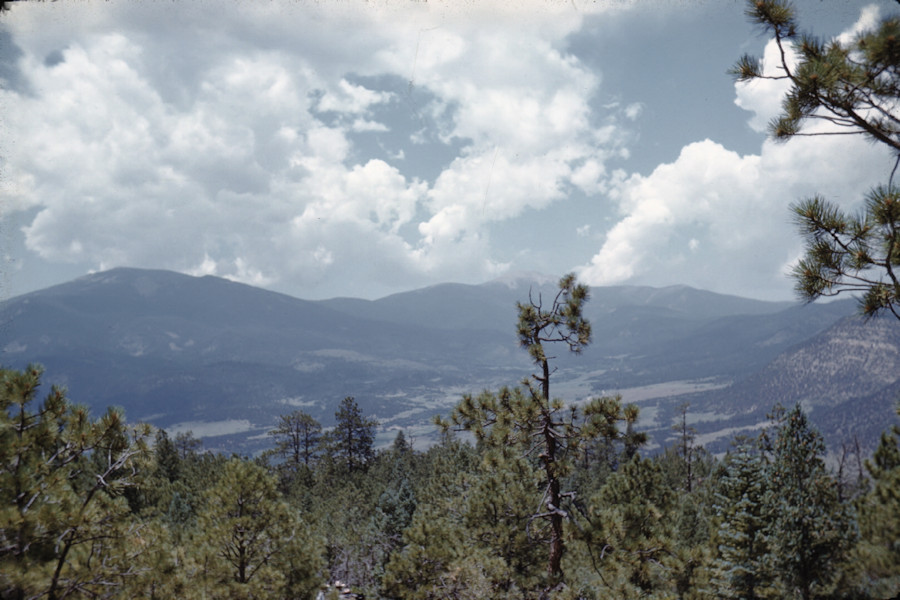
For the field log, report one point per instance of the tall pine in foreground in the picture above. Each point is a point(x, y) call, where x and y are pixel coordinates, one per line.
point(528, 424)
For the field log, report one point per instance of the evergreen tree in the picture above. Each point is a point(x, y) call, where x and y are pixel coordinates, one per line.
point(631, 533)
point(161, 478)
point(393, 514)
point(499, 517)
point(741, 568)
point(400, 446)
point(509, 426)
point(297, 436)
point(394, 509)
point(168, 463)
point(250, 543)
point(437, 562)
point(187, 445)
point(810, 529)
point(563, 323)
point(536, 426)
point(65, 525)
point(632, 440)
point(693, 517)
point(353, 437)
point(434, 541)
point(852, 87)
point(878, 554)
point(691, 546)
point(686, 435)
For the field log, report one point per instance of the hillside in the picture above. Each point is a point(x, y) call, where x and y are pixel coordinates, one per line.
point(224, 359)
point(847, 378)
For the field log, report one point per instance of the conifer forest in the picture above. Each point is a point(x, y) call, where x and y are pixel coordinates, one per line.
point(526, 495)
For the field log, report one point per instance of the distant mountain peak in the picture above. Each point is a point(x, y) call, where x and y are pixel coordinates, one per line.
point(519, 279)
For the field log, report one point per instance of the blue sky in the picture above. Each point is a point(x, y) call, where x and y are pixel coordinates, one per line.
point(363, 148)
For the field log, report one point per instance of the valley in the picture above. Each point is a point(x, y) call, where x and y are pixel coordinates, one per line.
point(223, 359)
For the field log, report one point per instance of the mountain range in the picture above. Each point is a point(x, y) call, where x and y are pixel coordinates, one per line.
point(224, 359)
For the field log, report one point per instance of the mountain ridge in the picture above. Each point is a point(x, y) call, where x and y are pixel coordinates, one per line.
point(175, 349)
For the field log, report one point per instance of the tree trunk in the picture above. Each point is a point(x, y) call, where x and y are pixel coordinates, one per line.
point(554, 562)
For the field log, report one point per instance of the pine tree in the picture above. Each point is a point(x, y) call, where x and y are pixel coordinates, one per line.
point(400, 445)
point(187, 445)
point(393, 514)
point(437, 561)
point(499, 517)
point(437, 556)
point(741, 568)
point(878, 554)
point(250, 543)
point(297, 436)
point(65, 525)
point(686, 435)
point(852, 88)
point(631, 533)
point(166, 457)
point(810, 529)
point(353, 437)
point(532, 423)
point(162, 478)
point(562, 323)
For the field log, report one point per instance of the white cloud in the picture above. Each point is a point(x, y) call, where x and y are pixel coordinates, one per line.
point(362, 125)
point(718, 220)
point(634, 110)
point(868, 20)
point(350, 98)
point(239, 159)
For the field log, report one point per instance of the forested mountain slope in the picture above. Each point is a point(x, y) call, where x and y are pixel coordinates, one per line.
point(225, 359)
point(847, 377)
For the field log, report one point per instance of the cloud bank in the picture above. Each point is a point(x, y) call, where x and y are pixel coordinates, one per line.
point(360, 149)
point(267, 143)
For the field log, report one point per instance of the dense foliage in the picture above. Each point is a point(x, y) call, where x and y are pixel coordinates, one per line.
point(90, 509)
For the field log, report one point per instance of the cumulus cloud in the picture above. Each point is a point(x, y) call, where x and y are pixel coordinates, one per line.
point(868, 20)
point(227, 144)
point(716, 219)
point(350, 98)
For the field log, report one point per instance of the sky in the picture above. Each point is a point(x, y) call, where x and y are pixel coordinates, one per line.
point(347, 148)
